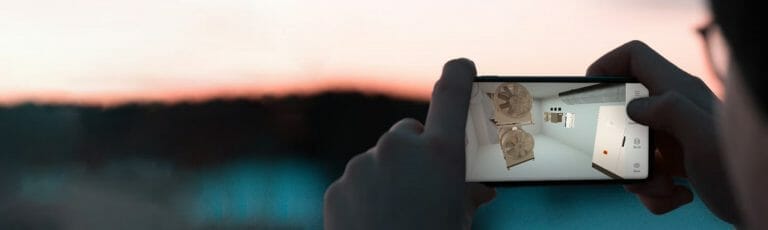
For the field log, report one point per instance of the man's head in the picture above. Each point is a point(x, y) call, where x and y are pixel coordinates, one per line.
point(742, 23)
point(744, 115)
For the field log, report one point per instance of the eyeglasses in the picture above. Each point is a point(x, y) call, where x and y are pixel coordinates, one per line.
point(718, 52)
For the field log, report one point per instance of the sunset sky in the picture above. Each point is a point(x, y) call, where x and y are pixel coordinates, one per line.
point(106, 52)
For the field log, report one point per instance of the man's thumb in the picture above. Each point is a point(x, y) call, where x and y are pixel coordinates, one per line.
point(638, 110)
point(669, 112)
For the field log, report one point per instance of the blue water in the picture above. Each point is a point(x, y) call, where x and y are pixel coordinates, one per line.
point(280, 193)
point(585, 207)
point(265, 193)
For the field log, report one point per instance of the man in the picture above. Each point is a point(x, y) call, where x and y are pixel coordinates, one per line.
point(414, 177)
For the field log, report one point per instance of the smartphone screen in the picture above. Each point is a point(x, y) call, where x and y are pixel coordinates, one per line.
point(554, 129)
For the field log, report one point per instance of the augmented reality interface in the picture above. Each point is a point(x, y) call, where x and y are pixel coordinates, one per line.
point(545, 131)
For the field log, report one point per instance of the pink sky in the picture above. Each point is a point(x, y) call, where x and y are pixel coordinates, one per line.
point(108, 52)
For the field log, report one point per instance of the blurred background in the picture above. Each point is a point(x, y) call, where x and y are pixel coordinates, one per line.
point(237, 114)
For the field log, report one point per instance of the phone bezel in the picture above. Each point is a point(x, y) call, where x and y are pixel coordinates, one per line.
point(571, 79)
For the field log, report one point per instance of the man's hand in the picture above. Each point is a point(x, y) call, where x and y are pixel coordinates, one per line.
point(414, 177)
point(680, 112)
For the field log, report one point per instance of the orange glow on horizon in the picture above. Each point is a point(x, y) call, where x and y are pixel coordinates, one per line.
point(201, 93)
point(110, 53)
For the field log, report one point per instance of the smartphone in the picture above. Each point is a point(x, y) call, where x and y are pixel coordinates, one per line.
point(555, 130)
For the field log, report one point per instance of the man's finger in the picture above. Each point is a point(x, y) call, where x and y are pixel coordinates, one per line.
point(669, 112)
point(480, 194)
point(358, 167)
point(670, 148)
point(409, 125)
point(660, 194)
point(638, 60)
point(450, 99)
point(659, 205)
point(660, 183)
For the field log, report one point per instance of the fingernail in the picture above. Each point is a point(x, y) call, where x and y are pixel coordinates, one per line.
point(461, 63)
